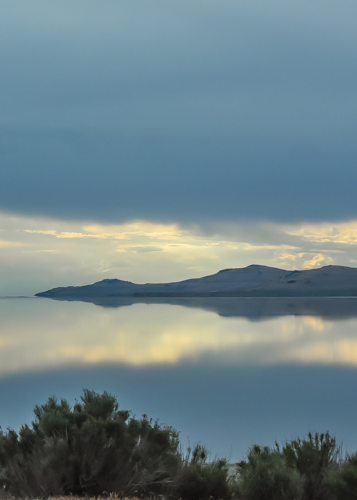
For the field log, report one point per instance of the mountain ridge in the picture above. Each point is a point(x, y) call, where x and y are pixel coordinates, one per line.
point(251, 281)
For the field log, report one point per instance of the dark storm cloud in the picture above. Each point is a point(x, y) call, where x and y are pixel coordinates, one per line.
point(189, 111)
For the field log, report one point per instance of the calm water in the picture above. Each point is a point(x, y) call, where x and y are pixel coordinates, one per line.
point(225, 372)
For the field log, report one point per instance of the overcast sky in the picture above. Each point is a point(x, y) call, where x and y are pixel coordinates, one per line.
point(227, 123)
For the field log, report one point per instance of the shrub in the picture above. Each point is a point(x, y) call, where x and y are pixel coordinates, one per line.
point(200, 480)
point(265, 475)
point(315, 458)
point(86, 450)
point(343, 484)
point(95, 448)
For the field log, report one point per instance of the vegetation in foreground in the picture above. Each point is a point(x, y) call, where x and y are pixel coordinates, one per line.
point(94, 449)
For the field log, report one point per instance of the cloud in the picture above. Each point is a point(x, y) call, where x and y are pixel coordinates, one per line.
point(184, 112)
point(288, 260)
point(119, 232)
point(40, 253)
point(317, 261)
point(141, 249)
point(50, 232)
point(67, 234)
point(10, 244)
point(249, 247)
point(343, 232)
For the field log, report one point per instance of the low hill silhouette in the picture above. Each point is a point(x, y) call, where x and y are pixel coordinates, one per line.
point(251, 281)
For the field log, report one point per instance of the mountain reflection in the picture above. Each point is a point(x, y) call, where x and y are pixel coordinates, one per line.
point(41, 333)
point(251, 308)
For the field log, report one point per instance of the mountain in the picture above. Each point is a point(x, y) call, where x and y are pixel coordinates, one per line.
point(251, 281)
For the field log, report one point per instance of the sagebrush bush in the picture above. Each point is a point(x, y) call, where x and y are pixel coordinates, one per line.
point(86, 450)
point(93, 448)
point(265, 475)
point(199, 480)
point(302, 469)
point(315, 458)
point(343, 484)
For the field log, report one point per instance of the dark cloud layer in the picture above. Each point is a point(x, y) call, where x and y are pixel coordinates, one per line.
point(191, 111)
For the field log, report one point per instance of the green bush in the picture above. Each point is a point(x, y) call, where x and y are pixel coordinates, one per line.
point(304, 469)
point(200, 480)
point(315, 458)
point(88, 449)
point(93, 447)
point(265, 475)
point(343, 484)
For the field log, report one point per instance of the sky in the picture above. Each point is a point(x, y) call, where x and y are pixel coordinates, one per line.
point(158, 141)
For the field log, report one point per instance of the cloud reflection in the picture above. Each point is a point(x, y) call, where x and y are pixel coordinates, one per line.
point(41, 334)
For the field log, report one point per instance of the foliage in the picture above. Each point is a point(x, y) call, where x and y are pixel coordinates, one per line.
point(200, 480)
point(315, 458)
point(86, 450)
point(343, 484)
point(304, 469)
point(93, 448)
point(265, 475)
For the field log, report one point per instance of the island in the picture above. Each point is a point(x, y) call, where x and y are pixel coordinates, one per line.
point(250, 281)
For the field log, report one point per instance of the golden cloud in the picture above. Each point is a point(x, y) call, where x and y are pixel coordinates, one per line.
point(50, 232)
point(9, 244)
point(316, 261)
point(65, 234)
point(138, 228)
point(343, 233)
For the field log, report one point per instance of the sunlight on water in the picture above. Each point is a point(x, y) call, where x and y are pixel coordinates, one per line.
point(37, 334)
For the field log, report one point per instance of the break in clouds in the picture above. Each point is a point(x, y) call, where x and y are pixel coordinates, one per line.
point(191, 112)
point(38, 253)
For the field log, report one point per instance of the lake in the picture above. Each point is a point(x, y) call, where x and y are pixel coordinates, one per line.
point(225, 372)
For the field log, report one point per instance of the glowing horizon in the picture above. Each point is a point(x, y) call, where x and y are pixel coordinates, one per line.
point(37, 254)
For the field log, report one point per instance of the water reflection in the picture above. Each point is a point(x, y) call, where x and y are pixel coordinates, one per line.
point(255, 309)
point(212, 369)
point(41, 333)
point(227, 408)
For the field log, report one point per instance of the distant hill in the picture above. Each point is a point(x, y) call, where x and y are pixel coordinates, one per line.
point(251, 281)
